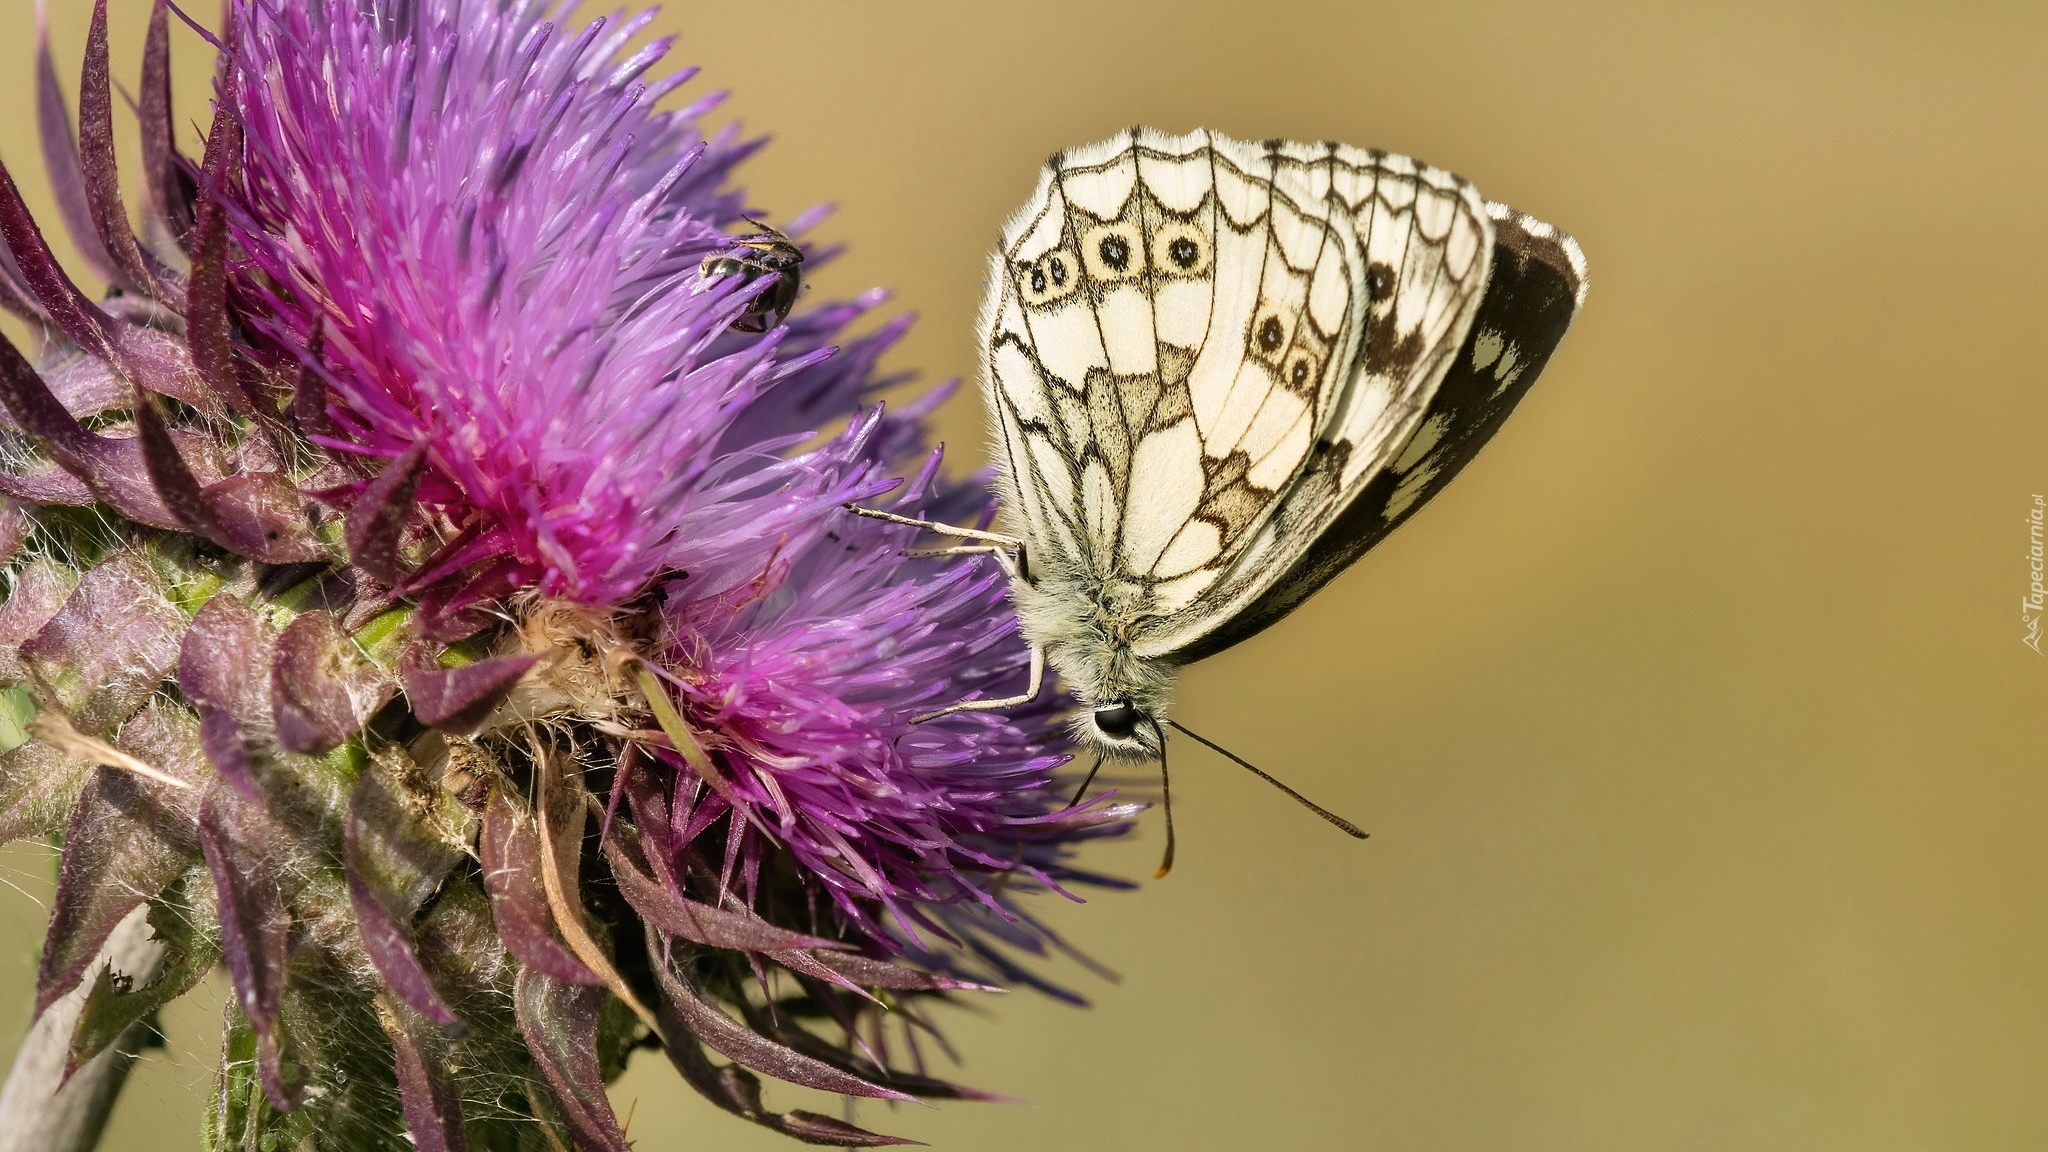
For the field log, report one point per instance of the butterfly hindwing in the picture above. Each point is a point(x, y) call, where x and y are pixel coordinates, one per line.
point(1537, 284)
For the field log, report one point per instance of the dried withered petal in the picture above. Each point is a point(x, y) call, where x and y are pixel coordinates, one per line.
point(68, 308)
point(393, 865)
point(426, 1088)
point(376, 521)
point(698, 922)
point(738, 1091)
point(153, 116)
point(242, 846)
point(65, 173)
point(684, 1009)
point(207, 327)
point(510, 852)
point(456, 700)
point(559, 1021)
point(116, 855)
point(102, 174)
point(321, 689)
point(107, 649)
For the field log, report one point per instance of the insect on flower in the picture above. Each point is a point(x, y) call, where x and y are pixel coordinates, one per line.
point(764, 253)
point(1218, 373)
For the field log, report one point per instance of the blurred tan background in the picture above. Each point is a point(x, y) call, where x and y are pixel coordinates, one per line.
point(1701, 754)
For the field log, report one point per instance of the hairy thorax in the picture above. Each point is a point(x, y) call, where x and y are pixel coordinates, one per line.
point(1086, 624)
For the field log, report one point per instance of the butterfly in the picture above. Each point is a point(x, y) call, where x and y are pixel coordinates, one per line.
point(1217, 373)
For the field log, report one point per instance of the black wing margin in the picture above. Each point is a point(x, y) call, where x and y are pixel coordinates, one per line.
point(1537, 285)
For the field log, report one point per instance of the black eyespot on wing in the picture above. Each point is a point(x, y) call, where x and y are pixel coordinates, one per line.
point(1183, 252)
point(1115, 252)
point(1271, 335)
point(1379, 281)
point(1056, 267)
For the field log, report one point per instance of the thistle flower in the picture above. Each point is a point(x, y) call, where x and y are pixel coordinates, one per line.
point(428, 599)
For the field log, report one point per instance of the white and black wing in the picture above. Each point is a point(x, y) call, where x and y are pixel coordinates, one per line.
point(1180, 329)
point(1537, 286)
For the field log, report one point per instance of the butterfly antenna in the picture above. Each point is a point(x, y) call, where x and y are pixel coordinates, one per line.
point(1083, 789)
point(1241, 762)
point(1166, 801)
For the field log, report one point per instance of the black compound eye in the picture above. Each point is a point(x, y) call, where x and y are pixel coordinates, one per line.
point(1118, 723)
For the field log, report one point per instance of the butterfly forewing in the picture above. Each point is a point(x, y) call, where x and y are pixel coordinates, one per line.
point(1199, 349)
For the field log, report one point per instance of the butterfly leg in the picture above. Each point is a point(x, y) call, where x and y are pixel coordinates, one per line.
point(1030, 694)
point(941, 529)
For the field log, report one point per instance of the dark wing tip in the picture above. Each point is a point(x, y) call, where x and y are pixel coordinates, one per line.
point(1528, 238)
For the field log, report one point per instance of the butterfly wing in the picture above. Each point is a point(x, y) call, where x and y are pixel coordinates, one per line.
point(1537, 285)
point(1179, 328)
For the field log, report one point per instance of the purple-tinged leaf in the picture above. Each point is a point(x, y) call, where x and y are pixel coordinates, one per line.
point(105, 652)
point(206, 292)
point(15, 296)
point(116, 856)
point(321, 690)
point(457, 700)
point(510, 853)
point(227, 642)
point(376, 521)
point(38, 785)
point(15, 526)
point(218, 660)
point(684, 1010)
point(40, 588)
point(220, 737)
point(426, 1088)
point(112, 469)
point(738, 1091)
point(678, 916)
point(265, 518)
point(159, 133)
point(84, 385)
point(101, 172)
point(47, 484)
point(559, 1021)
point(61, 163)
point(112, 1006)
point(393, 865)
point(241, 844)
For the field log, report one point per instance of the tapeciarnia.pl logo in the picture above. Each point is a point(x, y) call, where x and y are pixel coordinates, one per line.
point(2036, 599)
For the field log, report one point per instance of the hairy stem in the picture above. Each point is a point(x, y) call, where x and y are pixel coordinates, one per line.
point(39, 1115)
